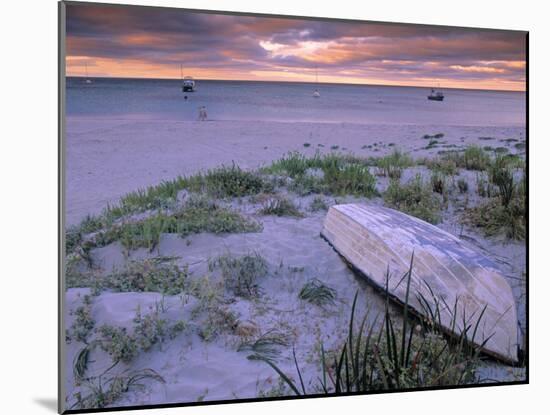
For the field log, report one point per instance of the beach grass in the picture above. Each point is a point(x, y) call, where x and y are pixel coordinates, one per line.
point(505, 210)
point(388, 357)
point(415, 198)
point(462, 185)
point(199, 214)
point(159, 274)
point(316, 292)
point(317, 204)
point(280, 206)
point(393, 164)
point(240, 274)
point(473, 158)
point(265, 345)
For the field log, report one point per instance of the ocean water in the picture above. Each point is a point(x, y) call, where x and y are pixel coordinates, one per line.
point(278, 101)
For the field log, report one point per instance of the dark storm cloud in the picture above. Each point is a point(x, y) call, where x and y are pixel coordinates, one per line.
point(245, 43)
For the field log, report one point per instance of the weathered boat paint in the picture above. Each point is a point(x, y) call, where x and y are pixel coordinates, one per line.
point(375, 240)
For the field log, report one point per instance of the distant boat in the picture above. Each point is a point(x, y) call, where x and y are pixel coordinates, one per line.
point(436, 95)
point(187, 83)
point(316, 93)
point(88, 80)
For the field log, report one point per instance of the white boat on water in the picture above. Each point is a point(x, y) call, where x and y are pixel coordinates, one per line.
point(88, 80)
point(436, 95)
point(187, 83)
point(316, 93)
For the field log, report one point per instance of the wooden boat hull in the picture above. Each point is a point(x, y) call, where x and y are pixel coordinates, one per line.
point(435, 98)
point(446, 271)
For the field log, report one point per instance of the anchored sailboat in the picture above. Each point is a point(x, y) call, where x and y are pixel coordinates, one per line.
point(187, 83)
point(88, 80)
point(316, 93)
point(436, 95)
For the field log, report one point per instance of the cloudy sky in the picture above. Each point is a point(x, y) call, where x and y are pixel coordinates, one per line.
point(152, 43)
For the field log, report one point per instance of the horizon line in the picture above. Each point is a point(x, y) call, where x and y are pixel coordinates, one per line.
point(300, 82)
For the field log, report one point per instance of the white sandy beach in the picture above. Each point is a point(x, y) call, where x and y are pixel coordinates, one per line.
point(107, 158)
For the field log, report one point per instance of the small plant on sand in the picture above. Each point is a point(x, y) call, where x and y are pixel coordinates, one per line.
point(505, 212)
point(150, 329)
point(318, 203)
point(391, 357)
point(475, 158)
point(265, 346)
point(439, 183)
point(121, 346)
point(317, 292)
point(280, 206)
point(442, 165)
point(462, 185)
point(307, 145)
point(349, 178)
point(307, 184)
point(152, 197)
point(104, 390)
point(293, 164)
point(212, 315)
point(159, 274)
point(414, 198)
point(83, 323)
point(483, 187)
point(392, 165)
point(502, 176)
point(241, 274)
point(197, 215)
point(340, 174)
point(234, 182)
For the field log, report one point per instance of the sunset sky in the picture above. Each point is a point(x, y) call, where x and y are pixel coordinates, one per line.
point(138, 42)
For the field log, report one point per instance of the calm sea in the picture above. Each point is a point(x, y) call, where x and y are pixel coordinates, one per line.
point(276, 101)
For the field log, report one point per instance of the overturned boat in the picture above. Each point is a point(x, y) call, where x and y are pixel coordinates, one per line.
point(447, 275)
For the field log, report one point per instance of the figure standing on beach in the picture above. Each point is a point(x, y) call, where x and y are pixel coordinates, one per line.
point(202, 113)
